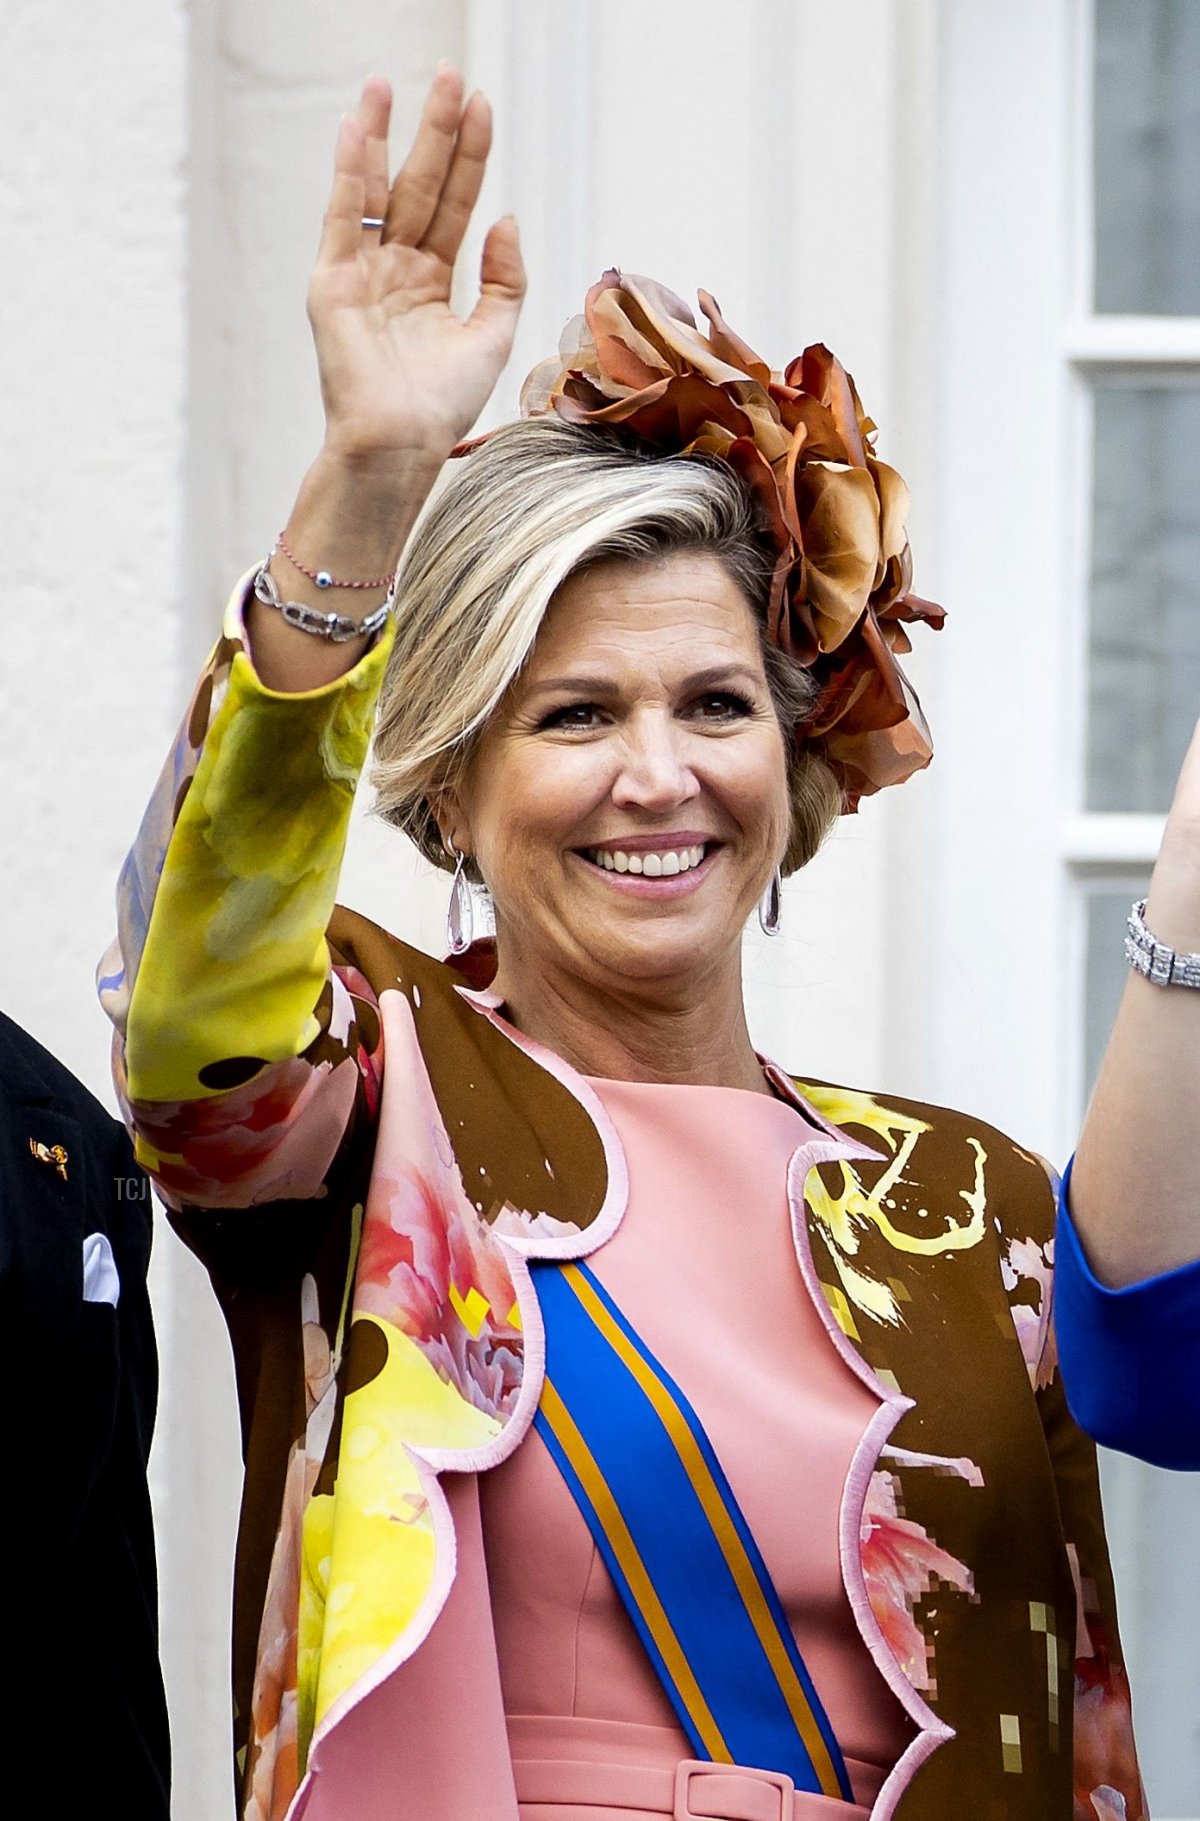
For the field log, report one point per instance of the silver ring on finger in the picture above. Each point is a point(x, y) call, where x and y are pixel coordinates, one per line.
point(374, 222)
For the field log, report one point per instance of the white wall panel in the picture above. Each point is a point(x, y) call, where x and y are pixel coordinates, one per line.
point(93, 149)
point(92, 143)
point(997, 920)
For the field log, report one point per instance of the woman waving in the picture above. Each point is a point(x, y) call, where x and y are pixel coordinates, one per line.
point(632, 1429)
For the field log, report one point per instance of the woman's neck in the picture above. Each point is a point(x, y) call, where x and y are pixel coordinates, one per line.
point(632, 1031)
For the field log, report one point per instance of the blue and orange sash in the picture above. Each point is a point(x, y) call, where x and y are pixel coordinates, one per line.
point(664, 1518)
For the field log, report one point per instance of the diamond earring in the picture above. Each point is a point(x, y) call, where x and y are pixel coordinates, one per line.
point(770, 905)
point(460, 912)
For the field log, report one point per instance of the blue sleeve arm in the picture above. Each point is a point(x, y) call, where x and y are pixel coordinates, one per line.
point(1130, 1357)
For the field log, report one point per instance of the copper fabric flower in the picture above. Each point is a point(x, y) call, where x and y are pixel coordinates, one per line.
point(841, 594)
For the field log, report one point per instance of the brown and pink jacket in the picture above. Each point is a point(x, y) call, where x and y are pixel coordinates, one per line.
point(366, 1156)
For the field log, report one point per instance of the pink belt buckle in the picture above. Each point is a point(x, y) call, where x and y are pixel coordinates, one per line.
point(727, 1792)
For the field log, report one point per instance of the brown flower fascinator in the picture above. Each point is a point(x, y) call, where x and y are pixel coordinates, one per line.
point(801, 442)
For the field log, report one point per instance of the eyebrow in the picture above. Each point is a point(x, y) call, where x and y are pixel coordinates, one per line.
point(711, 678)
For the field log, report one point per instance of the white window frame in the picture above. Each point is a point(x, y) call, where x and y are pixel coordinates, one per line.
point(1014, 853)
point(1098, 848)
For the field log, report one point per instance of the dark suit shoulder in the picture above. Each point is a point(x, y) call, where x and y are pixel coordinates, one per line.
point(29, 1071)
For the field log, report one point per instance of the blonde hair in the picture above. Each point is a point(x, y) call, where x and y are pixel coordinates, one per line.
point(539, 502)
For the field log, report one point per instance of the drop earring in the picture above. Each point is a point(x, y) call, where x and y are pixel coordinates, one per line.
point(460, 912)
point(770, 905)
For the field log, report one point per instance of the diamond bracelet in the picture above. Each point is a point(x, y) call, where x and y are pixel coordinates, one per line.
point(1161, 965)
point(336, 627)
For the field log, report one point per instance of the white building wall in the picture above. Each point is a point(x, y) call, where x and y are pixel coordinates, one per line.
point(163, 168)
point(93, 137)
point(94, 143)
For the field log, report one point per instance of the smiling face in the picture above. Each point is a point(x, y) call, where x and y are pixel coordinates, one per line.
point(628, 801)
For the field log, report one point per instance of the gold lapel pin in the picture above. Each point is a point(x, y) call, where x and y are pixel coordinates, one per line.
point(53, 1154)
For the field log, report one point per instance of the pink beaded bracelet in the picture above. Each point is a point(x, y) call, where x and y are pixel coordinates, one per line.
point(322, 577)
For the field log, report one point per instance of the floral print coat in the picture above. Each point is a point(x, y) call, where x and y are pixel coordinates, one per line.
point(367, 1229)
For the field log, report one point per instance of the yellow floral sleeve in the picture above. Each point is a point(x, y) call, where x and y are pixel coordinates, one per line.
point(220, 983)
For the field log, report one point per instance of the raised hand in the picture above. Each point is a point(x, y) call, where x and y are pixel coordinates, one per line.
point(401, 373)
point(403, 378)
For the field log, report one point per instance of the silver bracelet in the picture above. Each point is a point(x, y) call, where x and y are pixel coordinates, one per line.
point(335, 627)
point(1153, 958)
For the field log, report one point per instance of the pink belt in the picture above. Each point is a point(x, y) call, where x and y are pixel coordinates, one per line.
point(692, 1791)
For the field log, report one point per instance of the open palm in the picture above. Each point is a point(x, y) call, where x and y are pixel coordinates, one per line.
point(401, 373)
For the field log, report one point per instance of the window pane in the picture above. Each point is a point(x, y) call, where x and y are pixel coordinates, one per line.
point(1146, 156)
point(1144, 632)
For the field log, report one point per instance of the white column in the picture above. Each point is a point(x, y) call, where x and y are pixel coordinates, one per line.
point(996, 924)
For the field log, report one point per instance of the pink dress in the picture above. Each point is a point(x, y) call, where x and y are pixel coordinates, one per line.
point(704, 1267)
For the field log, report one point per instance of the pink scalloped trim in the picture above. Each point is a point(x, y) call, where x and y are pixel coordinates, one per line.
point(431, 1462)
point(522, 1251)
point(445, 1562)
point(616, 1197)
point(832, 1145)
point(932, 1732)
